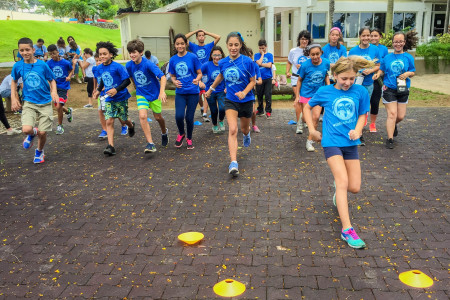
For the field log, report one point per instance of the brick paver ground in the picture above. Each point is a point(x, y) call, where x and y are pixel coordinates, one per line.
point(85, 226)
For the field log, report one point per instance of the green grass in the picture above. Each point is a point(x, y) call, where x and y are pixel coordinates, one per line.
point(85, 35)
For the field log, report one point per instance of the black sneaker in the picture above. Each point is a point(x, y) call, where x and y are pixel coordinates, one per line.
point(131, 130)
point(165, 138)
point(395, 130)
point(390, 143)
point(109, 150)
point(259, 113)
point(363, 142)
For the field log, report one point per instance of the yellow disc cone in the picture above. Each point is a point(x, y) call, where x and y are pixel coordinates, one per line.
point(416, 278)
point(229, 288)
point(191, 237)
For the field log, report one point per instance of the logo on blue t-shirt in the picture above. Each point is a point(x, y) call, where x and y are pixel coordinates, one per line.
point(140, 77)
point(107, 79)
point(397, 66)
point(265, 60)
point(317, 77)
point(215, 74)
point(232, 75)
point(302, 59)
point(367, 56)
point(205, 78)
point(181, 68)
point(58, 71)
point(201, 54)
point(32, 79)
point(344, 108)
point(333, 57)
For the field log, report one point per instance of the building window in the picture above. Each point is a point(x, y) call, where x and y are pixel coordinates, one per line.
point(379, 21)
point(278, 27)
point(316, 25)
point(350, 23)
point(403, 20)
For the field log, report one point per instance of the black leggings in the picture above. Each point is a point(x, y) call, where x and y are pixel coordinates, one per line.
point(2, 115)
point(375, 99)
point(265, 89)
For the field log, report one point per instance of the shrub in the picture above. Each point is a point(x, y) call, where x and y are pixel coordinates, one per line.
point(432, 52)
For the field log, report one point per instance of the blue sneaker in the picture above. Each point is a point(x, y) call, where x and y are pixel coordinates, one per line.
point(233, 169)
point(39, 157)
point(28, 141)
point(103, 135)
point(349, 235)
point(124, 130)
point(150, 148)
point(247, 140)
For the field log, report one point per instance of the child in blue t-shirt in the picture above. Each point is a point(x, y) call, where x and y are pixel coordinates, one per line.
point(39, 89)
point(114, 79)
point(238, 71)
point(311, 76)
point(258, 78)
point(334, 50)
point(40, 51)
point(346, 105)
point(185, 72)
point(149, 93)
point(264, 60)
point(398, 68)
point(63, 70)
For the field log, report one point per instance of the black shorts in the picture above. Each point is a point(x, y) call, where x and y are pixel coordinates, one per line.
point(244, 109)
point(90, 85)
point(62, 95)
point(350, 152)
point(389, 95)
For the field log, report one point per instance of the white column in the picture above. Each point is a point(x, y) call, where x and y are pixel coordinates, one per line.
point(270, 28)
point(303, 19)
point(285, 33)
point(296, 26)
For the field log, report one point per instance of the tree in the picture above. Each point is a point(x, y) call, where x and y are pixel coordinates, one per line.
point(330, 14)
point(81, 9)
point(389, 16)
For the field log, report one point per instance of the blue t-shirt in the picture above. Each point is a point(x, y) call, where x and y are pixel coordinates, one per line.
point(257, 71)
point(237, 74)
point(266, 73)
point(332, 53)
point(61, 70)
point(210, 72)
point(145, 76)
point(370, 53)
point(342, 110)
point(98, 78)
point(185, 70)
point(38, 51)
point(383, 51)
point(61, 51)
point(395, 64)
point(112, 76)
point(313, 77)
point(36, 76)
point(202, 52)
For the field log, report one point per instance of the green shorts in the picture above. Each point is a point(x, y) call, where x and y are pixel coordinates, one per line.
point(155, 105)
point(43, 113)
point(117, 109)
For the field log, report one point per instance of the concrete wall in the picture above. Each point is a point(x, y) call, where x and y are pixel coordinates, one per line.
point(15, 15)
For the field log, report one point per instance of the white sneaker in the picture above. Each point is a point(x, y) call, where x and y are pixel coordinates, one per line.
point(309, 146)
point(13, 131)
point(299, 127)
point(59, 129)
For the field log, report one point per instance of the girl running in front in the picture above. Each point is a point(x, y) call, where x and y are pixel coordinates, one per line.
point(185, 72)
point(295, 59)
point(398, 68)
point(375, 36)
point(312, 75)
point(216, 101)
point(239, 74)
point(346, 105)
point(368, 52)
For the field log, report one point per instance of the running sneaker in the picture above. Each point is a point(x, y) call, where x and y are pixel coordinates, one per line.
point(13, 131)
point(132, 130)
point(390, 143)
point(363, 141)
point(150, 148)
point(351, 237)
point(233, 169)
point(124, 130)
point(268, 115)
point(109, 150)
point(88, 106)
point(247, 140)
point(299, 127)
point(38, 156)
point(59, 129)
point(373, 127)
point(165, 138)
point(79, 80)
point(221, 126)
point(70, 114)
point(179, 141)
point(256, 129)
point(28, 141)
point(395, 131)
point(309, 146)
point(259, 113)
point(103, 135)
point(189, 143)
point(205, 118)
point(215, 129)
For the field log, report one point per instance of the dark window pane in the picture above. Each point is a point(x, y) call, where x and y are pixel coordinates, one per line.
point(278, 27)
point(352, 25)
point(318, 30)
point(309, 18)
point(397, 24)
point(410, 20)
point(379, 21)
point(339, 21)
point(366, 20)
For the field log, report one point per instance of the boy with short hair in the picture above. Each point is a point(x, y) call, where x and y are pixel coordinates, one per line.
point(63, 70)
point(149, 92)
point(114, 79)
point(39, 89)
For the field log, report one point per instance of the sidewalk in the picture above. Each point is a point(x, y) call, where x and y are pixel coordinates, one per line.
point(432, 82)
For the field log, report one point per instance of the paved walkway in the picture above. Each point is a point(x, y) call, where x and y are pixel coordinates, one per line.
point(82, 225)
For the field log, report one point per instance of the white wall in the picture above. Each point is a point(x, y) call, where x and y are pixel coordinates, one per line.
point(15, 15)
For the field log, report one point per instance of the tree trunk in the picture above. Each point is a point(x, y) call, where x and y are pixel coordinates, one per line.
point(447, 16)
point(389, 16)
point(330, 14)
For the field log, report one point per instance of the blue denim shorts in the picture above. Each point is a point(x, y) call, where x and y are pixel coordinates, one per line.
point(350, 152)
